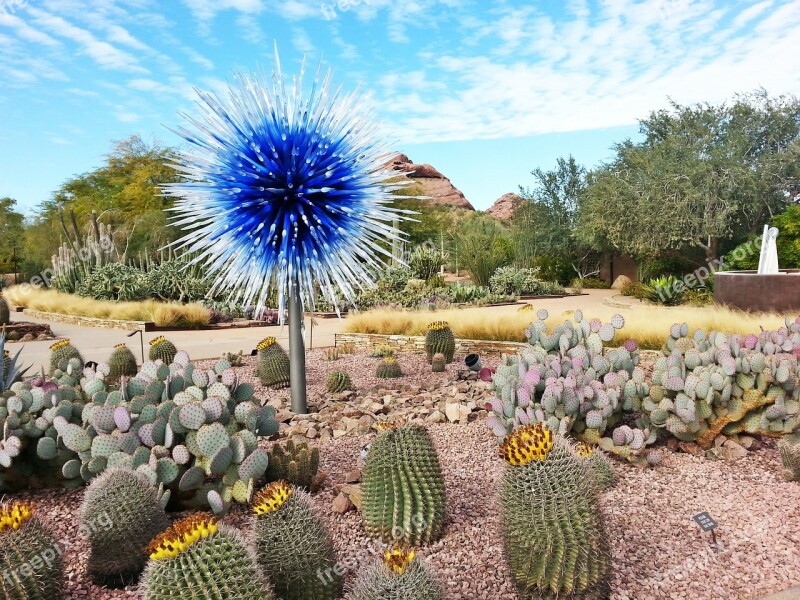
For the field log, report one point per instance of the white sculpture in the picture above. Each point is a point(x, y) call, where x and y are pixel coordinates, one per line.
point(768, 261)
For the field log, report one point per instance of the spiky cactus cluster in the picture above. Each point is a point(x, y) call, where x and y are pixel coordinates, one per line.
point(789, 447)
point(566, 380)
point(30, 557)
point(198, 559)
point(121, 514)
point(293, 545)
point(388, 368)
point(438, 363)
point(60, 354)
point(122, 363)
point(440, 340)
point(273, 364)
point(5, 313)
point(403, 489)
point(400, 575)
point(193, 430)
point(296, 463)
point(707, 384)
point(162, 349)
point(338, 381)
point(553, 531)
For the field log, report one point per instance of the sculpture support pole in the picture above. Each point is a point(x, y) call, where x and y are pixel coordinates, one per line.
point(297, 351)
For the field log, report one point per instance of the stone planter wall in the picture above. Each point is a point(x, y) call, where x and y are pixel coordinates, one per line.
point(89, 321)
point(416, 343)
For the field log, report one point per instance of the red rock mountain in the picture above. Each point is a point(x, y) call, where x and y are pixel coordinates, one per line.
point(434, 185)
point(505, 206)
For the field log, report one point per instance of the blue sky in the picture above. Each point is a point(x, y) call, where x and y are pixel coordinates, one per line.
point(484, 91)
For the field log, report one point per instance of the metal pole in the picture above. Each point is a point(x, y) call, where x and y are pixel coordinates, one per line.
point(297, 352)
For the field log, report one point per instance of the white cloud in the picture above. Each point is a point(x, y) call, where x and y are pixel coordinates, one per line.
point(302, 41)
point(25, 31)
point(205, 10)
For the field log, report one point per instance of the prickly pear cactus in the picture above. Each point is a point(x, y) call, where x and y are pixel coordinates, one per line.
point(553, 532)
point(60, 354)
point(198, 559)
point(121, 513)
point(339, 381)
point(388, 368)
point(293, 545)
point(30, 557)
point(296, 463)
point(273, 364)
point(122, 362)
point(162, 349)
point(440, 340)
point(403, 489)
point(399, 576)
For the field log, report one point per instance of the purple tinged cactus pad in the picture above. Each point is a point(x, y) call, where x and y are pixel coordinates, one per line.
point(192, 479)
point(216, 503)
point(617, 321)
point(594, 419)
point(244, 393)
point(578, 315)
point(675, 330)
point(122, 418)
point(542, 314)
point(221, 460)
point(210, 438)
point(213, 408)
point(219, 390)
point(192, 415)
point(631, 345)
point(103, 419)
point(254, 466)
point(674, 383)
point(167, 470)
point(229, 378)
point(181, 455)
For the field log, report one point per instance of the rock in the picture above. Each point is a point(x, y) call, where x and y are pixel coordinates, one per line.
point(353, 492)
point(337, 433)
point(452, 412)
point(435, 417)
point(692, 448)
point(735, 451)
point(746, 442)
point(620, 281)
point(505, 206)
point(312, 433)
point(719, 440)
point(438, 188)
point(353, 476)
point(342, 504)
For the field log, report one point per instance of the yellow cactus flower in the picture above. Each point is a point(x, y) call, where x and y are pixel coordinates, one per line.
point(272, 497)
point(526, 444)
point(182, 535)
point(13, 514)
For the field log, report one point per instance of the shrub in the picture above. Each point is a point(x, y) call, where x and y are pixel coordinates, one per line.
point(667, 290)
point(425, 262)
point(172, 281)
point(516, 281)
point(636, 289)
point(114, 282)
point(394, 278)
point(591, 283)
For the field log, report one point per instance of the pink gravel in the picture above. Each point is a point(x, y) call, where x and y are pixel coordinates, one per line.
point(658, 551)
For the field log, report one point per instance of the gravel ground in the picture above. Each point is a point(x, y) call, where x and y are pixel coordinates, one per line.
point(658, 551)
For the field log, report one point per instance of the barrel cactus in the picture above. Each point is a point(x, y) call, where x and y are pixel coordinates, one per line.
point(198, 559)
point(162, 349)
point(295, 463)
point(597, 465)
point(403, 489)
point(122, 363)
point(121, 513)
point(388, 368)
point(400, 575)
point(30, 557)
point(440, 340)
point(5, 313)
point(438, 362)
point(339, 381)
point(789, 445)
point(293, 546)
point(553, 531)
point(273, 364)
point(60, 354)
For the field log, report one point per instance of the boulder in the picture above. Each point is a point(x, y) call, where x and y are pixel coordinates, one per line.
point(620, 282)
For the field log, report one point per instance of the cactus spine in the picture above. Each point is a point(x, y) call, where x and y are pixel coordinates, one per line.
point(553, 532)
point(293, 546)
point(30, 558)
point(339, 381)
point(404, 497)
point(399, 576)
point(440, 340)
point(198, 559)
point(162, 349)
point(388, 368)
point(121, 514)
point(273, 364)
point(295, 463)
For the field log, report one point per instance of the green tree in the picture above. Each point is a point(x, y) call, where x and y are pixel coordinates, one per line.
point(702, 174)
point(11, 234)
point(480, 246)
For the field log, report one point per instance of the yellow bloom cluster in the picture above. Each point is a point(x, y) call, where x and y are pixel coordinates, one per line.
point(398, 560)
point(160, 339)
point(13, 514)
point(438, 325)
point(390, 424)
point(59, 344)
point(119, 345)
point(266, 343)
point(181, 535)
point(526, 444)
point(525, 308)
point(272, 497)
point(584, 450)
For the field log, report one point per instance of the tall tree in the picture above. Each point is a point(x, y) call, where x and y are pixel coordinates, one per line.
point(702, 174)
point(11, 234)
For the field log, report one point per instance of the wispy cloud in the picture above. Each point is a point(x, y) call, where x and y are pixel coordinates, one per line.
point(25, 31)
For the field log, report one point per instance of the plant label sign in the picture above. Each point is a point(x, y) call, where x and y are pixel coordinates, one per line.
point(705, 521)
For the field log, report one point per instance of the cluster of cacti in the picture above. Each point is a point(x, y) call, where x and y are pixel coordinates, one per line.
point(331, 353)
point(438, 363)
point(440, 340)
point(553, 530)
point(566, 380)
point(293, 546)
point(12, 371)
point(789, 446)
point(121, 514)
point(60, 354)
point(388, 368)
point(383, 352)
point(193, 430)
point(597, 465)
point(199, 559)
point(400, 575)
point(296, 463)
point(5, 313)
point(162, 349)
point(30, 557)
point(122, 363)
point(338, 381)
point(717, 383)
point(236, 359)
point(273, 364)
point(403, 488)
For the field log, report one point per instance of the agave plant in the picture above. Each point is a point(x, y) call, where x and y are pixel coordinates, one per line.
point(10, 372)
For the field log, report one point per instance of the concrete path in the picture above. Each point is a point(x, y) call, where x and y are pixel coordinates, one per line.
point(790, 594)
